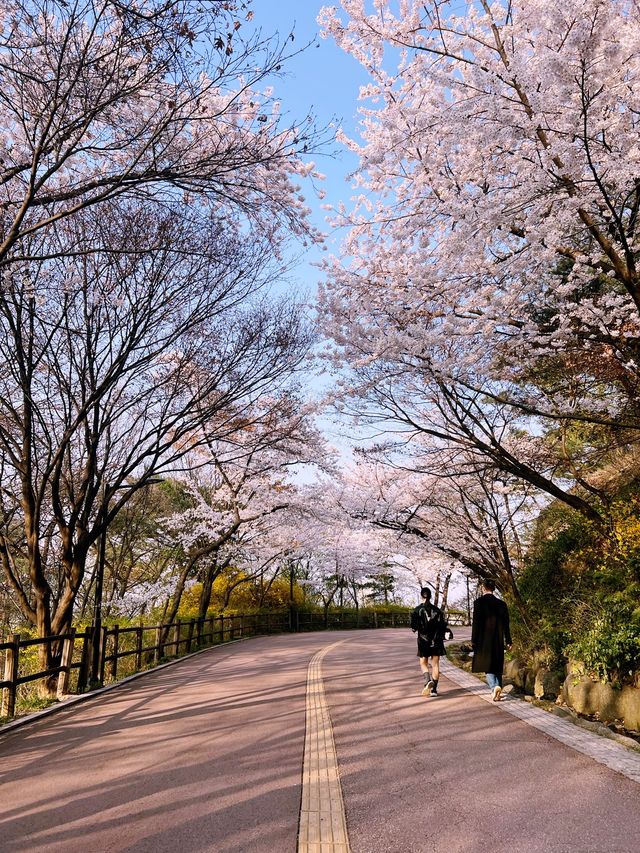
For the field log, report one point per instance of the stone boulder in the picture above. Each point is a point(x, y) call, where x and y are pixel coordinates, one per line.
point(547, 684)
point(629, 708)
point(603, 700)
point(530, 682)
point(517, 672)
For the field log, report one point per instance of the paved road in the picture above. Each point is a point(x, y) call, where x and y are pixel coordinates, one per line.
point(458, 775)
point(206, 757)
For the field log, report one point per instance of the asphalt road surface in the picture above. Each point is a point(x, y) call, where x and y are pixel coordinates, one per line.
point(206, 757)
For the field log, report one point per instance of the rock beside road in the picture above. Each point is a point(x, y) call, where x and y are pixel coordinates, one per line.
point(547, 684)
point(604, 701)
point(542, 683)
point(578, 692)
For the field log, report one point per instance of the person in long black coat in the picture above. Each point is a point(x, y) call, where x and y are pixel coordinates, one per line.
point(489, 636)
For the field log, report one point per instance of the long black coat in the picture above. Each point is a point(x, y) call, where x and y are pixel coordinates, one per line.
point(489, 634)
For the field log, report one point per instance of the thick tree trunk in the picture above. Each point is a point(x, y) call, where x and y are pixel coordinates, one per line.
point(205, 595)
point(211, 572)
point(354, 596)
point(174, 604)
point(445, 591)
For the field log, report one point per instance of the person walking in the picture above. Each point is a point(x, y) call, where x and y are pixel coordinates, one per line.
point(429, 622)
point(489, 636)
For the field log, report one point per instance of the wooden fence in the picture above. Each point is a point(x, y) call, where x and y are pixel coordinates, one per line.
point(126, 650)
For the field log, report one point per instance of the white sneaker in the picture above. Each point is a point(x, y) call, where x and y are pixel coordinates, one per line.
point(497, 692)
point(427, 690)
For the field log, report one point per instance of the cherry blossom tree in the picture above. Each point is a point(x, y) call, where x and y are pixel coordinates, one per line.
point(156, 100)
point(343, 553)
point(488, 294)
point(242, 499)
point(474, 521)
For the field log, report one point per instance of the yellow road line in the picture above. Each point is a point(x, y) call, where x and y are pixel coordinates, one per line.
point(323, 827)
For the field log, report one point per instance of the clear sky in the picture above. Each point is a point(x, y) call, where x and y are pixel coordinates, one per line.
point(322, 80)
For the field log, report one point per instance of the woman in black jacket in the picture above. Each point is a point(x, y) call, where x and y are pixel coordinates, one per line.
point(431, 625)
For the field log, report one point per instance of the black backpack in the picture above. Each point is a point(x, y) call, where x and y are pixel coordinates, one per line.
point(429, 622)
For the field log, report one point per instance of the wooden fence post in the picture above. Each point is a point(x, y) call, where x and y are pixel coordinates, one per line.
point(113, 664)
point(190, 634)
point(85, 655)
point(393, 620)
point(138, 648)
point(103, 652)
point(10, 674)
point(65, 663)
point(176, 639)
point(158, 644)
point(242, 624)
point(221, 628)
point(375, 618)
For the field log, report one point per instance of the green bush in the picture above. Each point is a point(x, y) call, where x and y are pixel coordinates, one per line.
point(608, 646)
point(581, 589)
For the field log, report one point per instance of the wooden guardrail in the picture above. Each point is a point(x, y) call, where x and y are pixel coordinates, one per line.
point(12, 678)
point(126, 650)
point(123, 650)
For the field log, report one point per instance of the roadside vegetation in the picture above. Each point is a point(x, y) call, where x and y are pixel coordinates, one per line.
point(581, 588)
point(160, 455)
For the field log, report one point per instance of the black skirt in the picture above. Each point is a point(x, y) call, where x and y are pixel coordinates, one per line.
point(428, 649)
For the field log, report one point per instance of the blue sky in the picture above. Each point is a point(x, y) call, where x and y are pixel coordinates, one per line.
point(322, 80)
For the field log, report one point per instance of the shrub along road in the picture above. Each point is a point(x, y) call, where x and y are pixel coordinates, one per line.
point(207, 755)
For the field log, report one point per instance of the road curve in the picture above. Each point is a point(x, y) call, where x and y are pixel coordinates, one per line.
point(206, 757)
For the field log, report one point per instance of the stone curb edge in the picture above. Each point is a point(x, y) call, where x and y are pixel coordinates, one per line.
point(581, 722)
